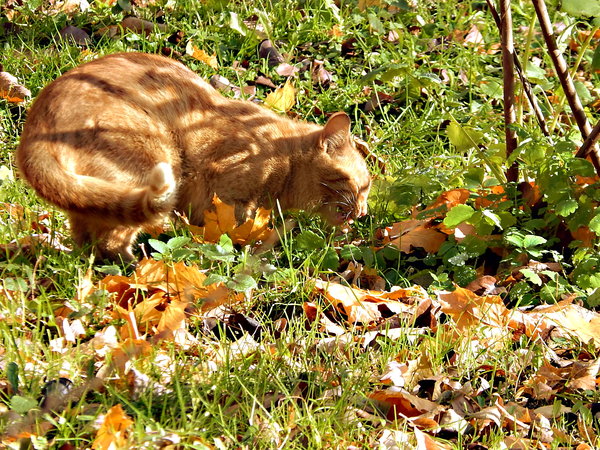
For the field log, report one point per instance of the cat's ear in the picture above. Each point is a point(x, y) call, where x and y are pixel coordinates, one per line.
point(336, 132)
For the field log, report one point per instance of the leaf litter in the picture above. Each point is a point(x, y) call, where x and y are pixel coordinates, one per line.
point(437, 401)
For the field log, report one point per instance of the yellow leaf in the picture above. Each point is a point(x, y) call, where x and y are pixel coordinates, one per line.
point(282, 99)
point(222, 220)
point(364, 4)
point(113, 431)
point(202, 56)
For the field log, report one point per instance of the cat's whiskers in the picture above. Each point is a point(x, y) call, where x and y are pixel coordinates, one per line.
point(347, 201)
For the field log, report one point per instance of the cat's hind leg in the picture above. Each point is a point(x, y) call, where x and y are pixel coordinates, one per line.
point(110, 241)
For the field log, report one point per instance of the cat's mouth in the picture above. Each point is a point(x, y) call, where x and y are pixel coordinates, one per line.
point(339, 215)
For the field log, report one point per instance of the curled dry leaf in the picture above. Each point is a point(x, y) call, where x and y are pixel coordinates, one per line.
point(267, 50)
point(155, 299)
point(113, 431)
point(401, 404)
point(414, 233)
point(11, 89)
point(469, 310)
point(449, 200)
point(75, 35)
point(222, 84)
point(221, 220)
point(131, 24)
point(282, 99)
point(363, 306)
point(142, 26)
point(201, 55)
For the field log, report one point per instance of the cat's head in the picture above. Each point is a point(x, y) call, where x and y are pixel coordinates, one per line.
point(342, 175)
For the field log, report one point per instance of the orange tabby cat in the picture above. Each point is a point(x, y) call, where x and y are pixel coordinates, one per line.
point(121, 141)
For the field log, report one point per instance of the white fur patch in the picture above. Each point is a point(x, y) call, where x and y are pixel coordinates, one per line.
point(162, 181)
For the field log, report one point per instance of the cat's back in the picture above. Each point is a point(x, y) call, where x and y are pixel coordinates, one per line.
point(125, 88)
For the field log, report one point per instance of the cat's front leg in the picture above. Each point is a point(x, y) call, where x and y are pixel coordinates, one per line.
point(245, 211)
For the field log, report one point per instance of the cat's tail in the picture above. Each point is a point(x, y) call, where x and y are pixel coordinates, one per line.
point(105, 200)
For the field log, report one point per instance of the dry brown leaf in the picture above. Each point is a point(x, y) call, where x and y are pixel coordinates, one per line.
point(141, 26)
point(155, 298)
point(364, 4)
point(268, 51)
point(362, 306)
point(113, 432)
point(468, 309)
point(569, 319)
point(402, 404)
point(449, 199)
point(132, 24)
point(222, 221)
point(282, 99)
point(75, 35)
point(414, 233)
point(201, 55)
point(11, 89)
point(426, 442)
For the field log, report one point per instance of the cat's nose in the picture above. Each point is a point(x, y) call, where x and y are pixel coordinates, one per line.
point(362, 212)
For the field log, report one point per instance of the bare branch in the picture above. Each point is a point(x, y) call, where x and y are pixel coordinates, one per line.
point(589, 142)
point(539, 115)
point(508, 69)
point(566, 81)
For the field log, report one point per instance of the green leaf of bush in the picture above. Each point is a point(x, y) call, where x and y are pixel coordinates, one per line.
point(579, 8)
point(595, 224)
point(532, 240)
point(458, 215)
point(177, 242)
point(566, 207)
point(463, 138)
point(308, 240)
point(159, 246)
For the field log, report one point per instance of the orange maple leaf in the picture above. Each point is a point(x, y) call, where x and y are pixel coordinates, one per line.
point(113, 432)
point(158, 295)
point(221, 220)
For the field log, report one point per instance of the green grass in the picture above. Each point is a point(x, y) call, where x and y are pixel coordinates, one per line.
point(295, 386)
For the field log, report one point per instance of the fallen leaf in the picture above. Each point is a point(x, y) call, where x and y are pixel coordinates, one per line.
point(473, 37)
point(376, 100)
point(201, 55)
point(141, 26)
point(267, 50)
point(364, 4)
point(75, 36)
point(363, 306)
point(155, 299)
point(222, 221)
point(11, 90)
point(282, 99)
point(402, 404)
point(286, 70)
point(449, 200)
point(414, 233)
point(468, 310)
point(113, 432)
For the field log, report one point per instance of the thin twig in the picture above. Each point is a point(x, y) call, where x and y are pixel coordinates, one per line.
point(508, 69)
point(564, 76)
point(539, 115)
point(589, 142)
